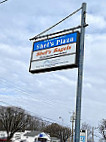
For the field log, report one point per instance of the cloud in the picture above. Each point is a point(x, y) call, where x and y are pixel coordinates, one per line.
point(97, 23)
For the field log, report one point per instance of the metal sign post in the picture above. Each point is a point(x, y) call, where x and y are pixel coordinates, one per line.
point(58, 51)
point(80, 75)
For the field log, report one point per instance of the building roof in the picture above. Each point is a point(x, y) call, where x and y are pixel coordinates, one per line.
point(32, 133)
point(37, 134)
point(54, 138)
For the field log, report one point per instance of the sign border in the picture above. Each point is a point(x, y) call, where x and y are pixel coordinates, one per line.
point(59, 67)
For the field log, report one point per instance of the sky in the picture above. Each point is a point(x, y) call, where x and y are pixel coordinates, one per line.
point(52, 95)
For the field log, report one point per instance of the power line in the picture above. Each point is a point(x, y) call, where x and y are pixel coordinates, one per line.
point(4, 102)
point(47, 101)
point(38, 117)
point(3, 1)
point(23, 91)
point(56, 24)
point(50, 102)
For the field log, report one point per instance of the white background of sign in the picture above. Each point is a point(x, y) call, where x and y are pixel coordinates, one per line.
point(51, 53)
point(53, 62)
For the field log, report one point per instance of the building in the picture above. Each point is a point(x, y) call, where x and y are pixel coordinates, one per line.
point(29, 136)
point(3, 136)
point(35, 136)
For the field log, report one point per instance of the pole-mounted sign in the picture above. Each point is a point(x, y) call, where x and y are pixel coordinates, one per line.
point(55, 52)
point(62, 50)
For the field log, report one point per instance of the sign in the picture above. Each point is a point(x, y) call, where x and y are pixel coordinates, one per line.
point(55, 52)
point(83, 136)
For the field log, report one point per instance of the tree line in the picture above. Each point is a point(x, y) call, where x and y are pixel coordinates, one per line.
point(14, 119)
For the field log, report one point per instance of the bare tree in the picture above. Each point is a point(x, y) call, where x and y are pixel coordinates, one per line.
point(66, 133)
point(14, 119)
point(37, 124)
point(58, 131)
point(102, 128)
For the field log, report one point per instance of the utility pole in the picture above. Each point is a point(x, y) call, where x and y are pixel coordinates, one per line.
point(62, 131)
point(72, 130)
point(80, 75)
point(92, 134)
point(3, 1)
point(104, 134)
point(72, 120)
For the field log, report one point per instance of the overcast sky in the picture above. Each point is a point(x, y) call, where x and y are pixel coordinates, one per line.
point(52, 94)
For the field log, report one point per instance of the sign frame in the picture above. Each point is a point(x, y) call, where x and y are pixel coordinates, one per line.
point(56, 35)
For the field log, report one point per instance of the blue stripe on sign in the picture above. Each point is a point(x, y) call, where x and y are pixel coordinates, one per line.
point(82, 138)
point(57, 41)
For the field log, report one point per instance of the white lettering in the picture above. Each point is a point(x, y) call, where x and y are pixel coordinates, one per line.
point(52, 43)
point(38, 46)
point(58, 41)
point(48, 44)
point(71, 39)
point(45, 45)
point(64, 41)
point(68, 40)
point(41, 46)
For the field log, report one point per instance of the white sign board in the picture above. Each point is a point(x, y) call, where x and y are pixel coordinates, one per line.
point(55, 53)
point(83, 136)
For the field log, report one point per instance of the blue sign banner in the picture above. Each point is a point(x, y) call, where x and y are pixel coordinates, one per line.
point(56, 41)
point(82, 138)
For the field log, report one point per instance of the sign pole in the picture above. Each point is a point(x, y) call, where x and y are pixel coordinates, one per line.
point(80, 75)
